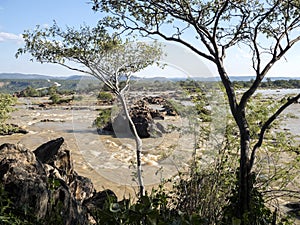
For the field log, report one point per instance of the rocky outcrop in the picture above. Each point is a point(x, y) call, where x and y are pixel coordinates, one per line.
point(167, 107)
point(44, 183)
point(144, 118)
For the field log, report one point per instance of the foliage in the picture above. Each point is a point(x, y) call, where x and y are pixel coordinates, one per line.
point(31, 92)
point(16, 86)
point(103, 118)
point(10, 215)
point(150, 209)
point(6, 107)
point(103, 55)
point(272, 176)
point(105, 97)
point(54, 98)
point(270, 84)
point(258, 214)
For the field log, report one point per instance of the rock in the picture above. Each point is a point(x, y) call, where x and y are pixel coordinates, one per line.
point(48, 150)
point(24, 178)
point(155, 114)
point(156, 100)
point(143, 117)
point(99, 198)
point(52, 120)
point(294, 209)
point(45, 184)
point(157, 130)
point(293, 205)
point(169, 110)
point(43, 105)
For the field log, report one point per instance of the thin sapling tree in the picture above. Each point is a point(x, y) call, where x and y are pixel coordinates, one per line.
point(95, 52)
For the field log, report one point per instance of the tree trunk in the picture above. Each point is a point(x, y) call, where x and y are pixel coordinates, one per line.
point(138, 143)
point(244, 171)
point(238, 112)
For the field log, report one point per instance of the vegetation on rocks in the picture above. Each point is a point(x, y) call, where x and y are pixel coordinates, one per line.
point(7, 103)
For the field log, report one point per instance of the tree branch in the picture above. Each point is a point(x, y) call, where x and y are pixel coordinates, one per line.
point(266, 126)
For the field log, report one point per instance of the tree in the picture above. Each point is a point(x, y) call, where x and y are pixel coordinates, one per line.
point(268, 29)
point(99, 54)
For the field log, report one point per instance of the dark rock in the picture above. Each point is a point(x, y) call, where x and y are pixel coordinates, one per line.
point(294, 209)
point(24, 178)
point(157, 130)
point(141, 123)
point(44, 183)
point(143, 117)
point(293, 205)
point(155, 114)
point(42, 105)
point(156, 100)
point(169, 110)
point(48, 150)
point(99, 198)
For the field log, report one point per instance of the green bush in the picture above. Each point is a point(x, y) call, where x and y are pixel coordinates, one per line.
point(6, 107)
point(31, 92)
point(105, 97)
point(148, 210)
point(54, 98)
point(103, 118)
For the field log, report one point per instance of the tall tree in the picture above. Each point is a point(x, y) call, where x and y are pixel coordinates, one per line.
point(269, 29)
point(93, 51)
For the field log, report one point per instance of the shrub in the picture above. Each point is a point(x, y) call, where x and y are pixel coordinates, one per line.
point(54, 98)
point(103, 118)
point(6, 107)
point(105, 97)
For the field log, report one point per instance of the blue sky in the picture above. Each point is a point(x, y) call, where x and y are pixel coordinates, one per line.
point(19, 15)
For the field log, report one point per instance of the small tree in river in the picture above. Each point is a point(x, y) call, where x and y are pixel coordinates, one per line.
point(93, 51)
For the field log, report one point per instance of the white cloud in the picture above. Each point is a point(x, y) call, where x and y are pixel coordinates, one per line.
point(10, 37)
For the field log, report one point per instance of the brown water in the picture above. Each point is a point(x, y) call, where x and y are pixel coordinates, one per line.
point(108, 161)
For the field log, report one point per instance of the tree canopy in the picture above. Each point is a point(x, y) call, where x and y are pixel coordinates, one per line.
point(98, 53)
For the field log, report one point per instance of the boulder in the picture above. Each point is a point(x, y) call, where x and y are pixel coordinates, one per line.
point(44, 183)
point(47, 151)
point(24, 178)
point(143, 118)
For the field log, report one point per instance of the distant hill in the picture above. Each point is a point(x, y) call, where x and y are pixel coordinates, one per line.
point(20, 76)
